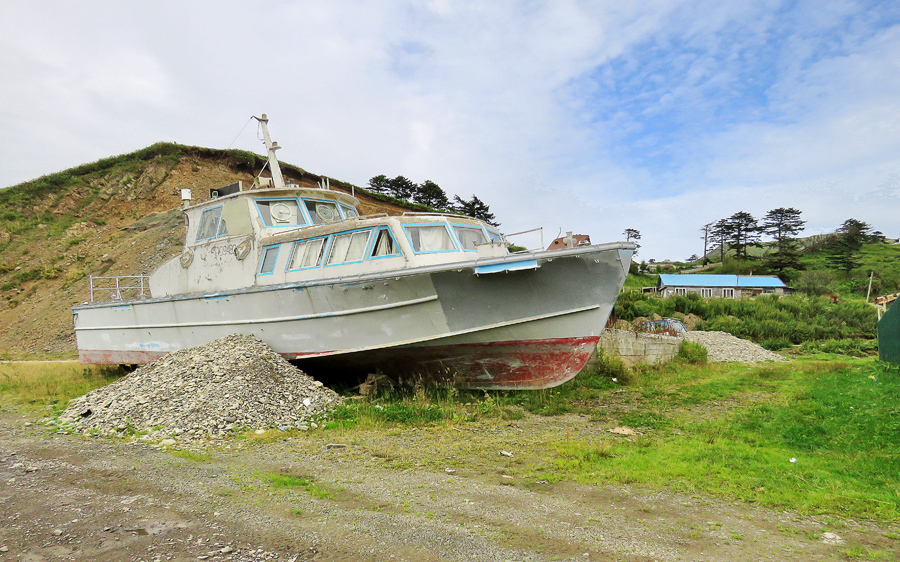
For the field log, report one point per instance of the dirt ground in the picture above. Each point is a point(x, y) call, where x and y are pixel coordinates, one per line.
point(366, 497)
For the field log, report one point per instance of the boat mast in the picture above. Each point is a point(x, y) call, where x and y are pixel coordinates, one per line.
point(271, 147)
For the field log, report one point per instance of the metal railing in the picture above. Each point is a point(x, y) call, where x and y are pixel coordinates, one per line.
point(119, 287)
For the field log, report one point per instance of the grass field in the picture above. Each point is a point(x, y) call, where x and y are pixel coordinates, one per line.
point(53, 383)
point(816, 435)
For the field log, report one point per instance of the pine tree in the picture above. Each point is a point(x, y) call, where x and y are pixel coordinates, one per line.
point(783, 224)
point(379, 184)
point(474, 208)
point(842, 252)
point(431, 194)
point(742, 232)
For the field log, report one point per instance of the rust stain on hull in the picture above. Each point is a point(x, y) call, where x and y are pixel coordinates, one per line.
point(506, 365)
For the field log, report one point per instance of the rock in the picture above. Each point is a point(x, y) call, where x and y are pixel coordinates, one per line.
point(831, 538)
point(722, 346)
point(232, 383)
point(167, 442)
point(622, 431)
point(56, 532)
point(505, 454)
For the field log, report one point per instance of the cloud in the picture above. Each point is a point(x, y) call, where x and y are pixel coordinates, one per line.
point(585, 116)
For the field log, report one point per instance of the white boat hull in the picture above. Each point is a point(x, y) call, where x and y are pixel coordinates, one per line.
point(525, 321)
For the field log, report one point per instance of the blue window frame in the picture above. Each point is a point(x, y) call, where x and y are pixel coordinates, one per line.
point(384, 245)
point(280, 211)
point(209, 224)
point(306, 254)
point(269, 259)
point(349, 212)
point(322, 211)
point(469, 236)
point(430, 238)
point(494, 235)
point(348, 247)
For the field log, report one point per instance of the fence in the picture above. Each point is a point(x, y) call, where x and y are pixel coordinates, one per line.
point(118, 288)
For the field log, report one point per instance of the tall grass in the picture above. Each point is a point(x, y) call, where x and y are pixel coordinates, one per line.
point(37, 383)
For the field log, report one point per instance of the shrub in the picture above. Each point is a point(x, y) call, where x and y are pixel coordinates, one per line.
point(691, 352)
point(776, 344)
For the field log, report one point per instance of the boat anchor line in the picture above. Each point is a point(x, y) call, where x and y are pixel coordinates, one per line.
point(268, 320)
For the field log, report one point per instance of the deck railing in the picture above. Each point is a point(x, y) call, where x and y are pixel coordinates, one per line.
point(118, 287)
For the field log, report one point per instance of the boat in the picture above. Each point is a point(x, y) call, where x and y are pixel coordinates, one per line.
point(418, 294)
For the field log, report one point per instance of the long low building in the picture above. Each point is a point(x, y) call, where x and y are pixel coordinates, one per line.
point(723, 286)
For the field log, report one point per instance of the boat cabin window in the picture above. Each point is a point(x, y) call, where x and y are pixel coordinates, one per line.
point(209, 224)
point(306, 253)
point(280, 212)
point(469, 236)
point(270, 256)
point(348, 247)
point(430, 238)
point(322, 212)
point(349, 212)
point(385, 245)
point(494, 235)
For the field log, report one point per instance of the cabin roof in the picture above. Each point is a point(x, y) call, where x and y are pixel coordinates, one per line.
point(718, 280)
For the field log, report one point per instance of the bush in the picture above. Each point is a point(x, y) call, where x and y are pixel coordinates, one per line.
point(693, 353)
point(776, 344)
point(847, 346)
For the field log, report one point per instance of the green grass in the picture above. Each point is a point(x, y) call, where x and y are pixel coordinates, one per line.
point(190, 455)
point(36, 383)
point(775, 321)
point(281, 481)
point(720, 430)
point(838, 423)
point(639, 280)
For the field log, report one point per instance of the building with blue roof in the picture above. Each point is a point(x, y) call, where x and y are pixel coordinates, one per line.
point(722, 286)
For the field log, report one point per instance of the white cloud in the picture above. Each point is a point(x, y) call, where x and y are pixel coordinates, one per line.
point(490, 98)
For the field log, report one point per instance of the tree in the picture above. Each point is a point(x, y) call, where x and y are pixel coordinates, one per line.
point(693, 258)
point(380, 184)
point(402, 188)
point(783, 224)
point(474, 208)
point(842, 251)
point(707, 232)
point(633, 234)
point(431, 194)
point(719, 232)
point(742, 232)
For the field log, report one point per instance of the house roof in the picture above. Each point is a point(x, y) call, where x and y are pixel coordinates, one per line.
point(714, 280)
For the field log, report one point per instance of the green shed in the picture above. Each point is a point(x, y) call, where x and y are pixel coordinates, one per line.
point(889, 335)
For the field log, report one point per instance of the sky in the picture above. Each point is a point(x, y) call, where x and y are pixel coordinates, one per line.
point(583, 116)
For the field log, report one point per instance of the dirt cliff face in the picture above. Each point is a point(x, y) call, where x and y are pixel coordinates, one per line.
point(118, 219)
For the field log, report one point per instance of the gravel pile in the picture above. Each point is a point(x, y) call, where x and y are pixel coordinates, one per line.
point(722, 346)
point(234, 383)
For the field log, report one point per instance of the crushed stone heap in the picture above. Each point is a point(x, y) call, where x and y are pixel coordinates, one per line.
point(233, 383)
point(722, 346)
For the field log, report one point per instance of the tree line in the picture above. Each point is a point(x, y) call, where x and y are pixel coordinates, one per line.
point(430, 194)
point(742, 230)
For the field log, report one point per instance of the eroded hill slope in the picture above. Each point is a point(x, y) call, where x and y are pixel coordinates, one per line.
point(118, 216)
